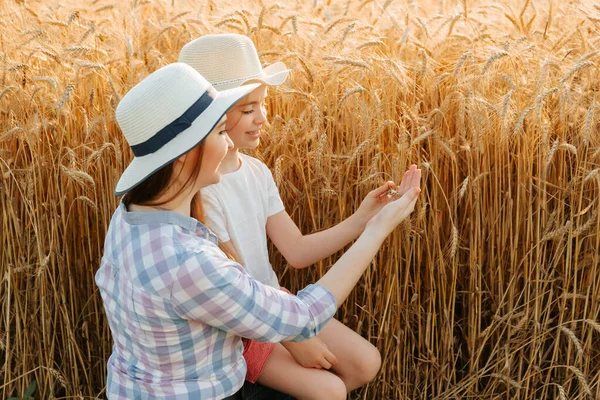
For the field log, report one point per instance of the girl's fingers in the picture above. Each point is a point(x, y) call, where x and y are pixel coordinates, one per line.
point(329, 356)
point(381, 190)
point(325, 364)
point(411, 179)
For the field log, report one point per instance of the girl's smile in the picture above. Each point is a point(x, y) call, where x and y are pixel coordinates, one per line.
point(245, 120)
point(254, 134)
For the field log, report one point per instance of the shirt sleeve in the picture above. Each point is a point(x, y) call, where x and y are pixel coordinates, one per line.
point(275, 204)
point(217, 291)
point(214, 215)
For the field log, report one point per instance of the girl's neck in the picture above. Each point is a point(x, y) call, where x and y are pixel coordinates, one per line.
point(231, 162)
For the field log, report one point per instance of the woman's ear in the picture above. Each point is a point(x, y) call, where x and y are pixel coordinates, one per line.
point(181, 159)
point(178, 165)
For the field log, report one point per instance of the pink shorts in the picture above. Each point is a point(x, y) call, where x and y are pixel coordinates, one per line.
point(256, 355)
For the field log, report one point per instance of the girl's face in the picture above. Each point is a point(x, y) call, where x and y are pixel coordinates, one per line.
point(216, 146)
point(246, 118)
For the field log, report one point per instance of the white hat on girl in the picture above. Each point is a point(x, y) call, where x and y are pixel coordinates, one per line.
point(166, 115)
point(229, 60)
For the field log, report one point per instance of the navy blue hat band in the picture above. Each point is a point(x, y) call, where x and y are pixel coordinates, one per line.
point(166, 134)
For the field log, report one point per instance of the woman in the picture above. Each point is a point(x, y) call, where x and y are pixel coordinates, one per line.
point(176, 305)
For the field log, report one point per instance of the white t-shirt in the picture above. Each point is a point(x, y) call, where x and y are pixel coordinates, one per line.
point(237, 209)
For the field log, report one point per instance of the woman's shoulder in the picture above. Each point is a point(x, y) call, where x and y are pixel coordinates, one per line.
point(202, 258)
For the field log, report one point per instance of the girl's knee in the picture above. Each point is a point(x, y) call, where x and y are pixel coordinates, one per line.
point(368, 365)
point(334, 389)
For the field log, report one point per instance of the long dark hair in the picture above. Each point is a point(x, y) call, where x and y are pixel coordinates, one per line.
point(146, 193)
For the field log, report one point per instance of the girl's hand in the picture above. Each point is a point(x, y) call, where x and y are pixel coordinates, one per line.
point(395, 211)
point(377, 199)
point(311, 353)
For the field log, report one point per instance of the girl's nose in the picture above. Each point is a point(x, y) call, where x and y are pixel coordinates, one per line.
point(261, 116)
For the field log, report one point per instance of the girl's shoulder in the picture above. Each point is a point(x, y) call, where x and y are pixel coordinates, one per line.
point(254, 166)
point(252, 161)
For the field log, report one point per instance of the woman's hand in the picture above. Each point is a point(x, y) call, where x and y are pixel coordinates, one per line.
point(397, 209)
point(311, 353)
point(378, 198)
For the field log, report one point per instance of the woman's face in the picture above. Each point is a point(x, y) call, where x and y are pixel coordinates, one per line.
point(246, 118)
point(216, 146)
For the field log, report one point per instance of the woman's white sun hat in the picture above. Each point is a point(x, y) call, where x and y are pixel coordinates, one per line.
point(229, 60)
point(166, 115)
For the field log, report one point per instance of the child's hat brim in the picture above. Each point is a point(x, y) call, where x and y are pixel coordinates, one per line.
point(272, 75)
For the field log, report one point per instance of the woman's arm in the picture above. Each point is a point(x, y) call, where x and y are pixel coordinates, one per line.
point(343, 276)
point(210, 288)
point(230, 248)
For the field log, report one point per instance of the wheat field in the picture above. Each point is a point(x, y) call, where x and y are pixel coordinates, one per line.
point(491, 290)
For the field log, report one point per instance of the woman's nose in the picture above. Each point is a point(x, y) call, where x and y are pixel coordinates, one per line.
point(229, 142)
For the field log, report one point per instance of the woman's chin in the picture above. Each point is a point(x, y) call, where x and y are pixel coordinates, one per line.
point(216, 178)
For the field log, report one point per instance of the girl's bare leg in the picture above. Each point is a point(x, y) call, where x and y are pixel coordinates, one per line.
point(281, 372)
point(358, 360)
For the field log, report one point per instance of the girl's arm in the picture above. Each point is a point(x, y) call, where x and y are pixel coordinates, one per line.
point(301, 251)
point(217, 291)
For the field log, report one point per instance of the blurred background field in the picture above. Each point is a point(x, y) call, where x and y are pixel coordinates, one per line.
point(491, 290)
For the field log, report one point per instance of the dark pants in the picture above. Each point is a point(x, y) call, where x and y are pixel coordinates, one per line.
point(256, 391)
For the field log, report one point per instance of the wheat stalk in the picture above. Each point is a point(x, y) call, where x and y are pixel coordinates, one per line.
point(583, 382)
point(493, 58)
point(571, 335)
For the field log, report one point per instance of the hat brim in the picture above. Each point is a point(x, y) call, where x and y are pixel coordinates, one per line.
point(273, 75)
point(141, 168)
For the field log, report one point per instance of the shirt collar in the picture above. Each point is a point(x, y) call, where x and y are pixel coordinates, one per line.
point(167, 217)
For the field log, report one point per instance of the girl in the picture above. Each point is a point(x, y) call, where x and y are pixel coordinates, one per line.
point(245, 208)
point(177, 307)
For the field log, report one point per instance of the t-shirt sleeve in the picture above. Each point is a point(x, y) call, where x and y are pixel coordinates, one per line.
point(275, 204)
point(219, 292)
point(215, 214)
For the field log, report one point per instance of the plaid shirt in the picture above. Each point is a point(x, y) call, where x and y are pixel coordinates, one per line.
point(177, 309)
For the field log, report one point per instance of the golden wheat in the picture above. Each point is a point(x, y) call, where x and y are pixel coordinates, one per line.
point(489, 291)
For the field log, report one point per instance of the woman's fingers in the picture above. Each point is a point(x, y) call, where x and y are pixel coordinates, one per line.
point(407, 179)
point(413, 202)
point(416, 182)
point(402, 186)
point(413, 177)
point(406, 204)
